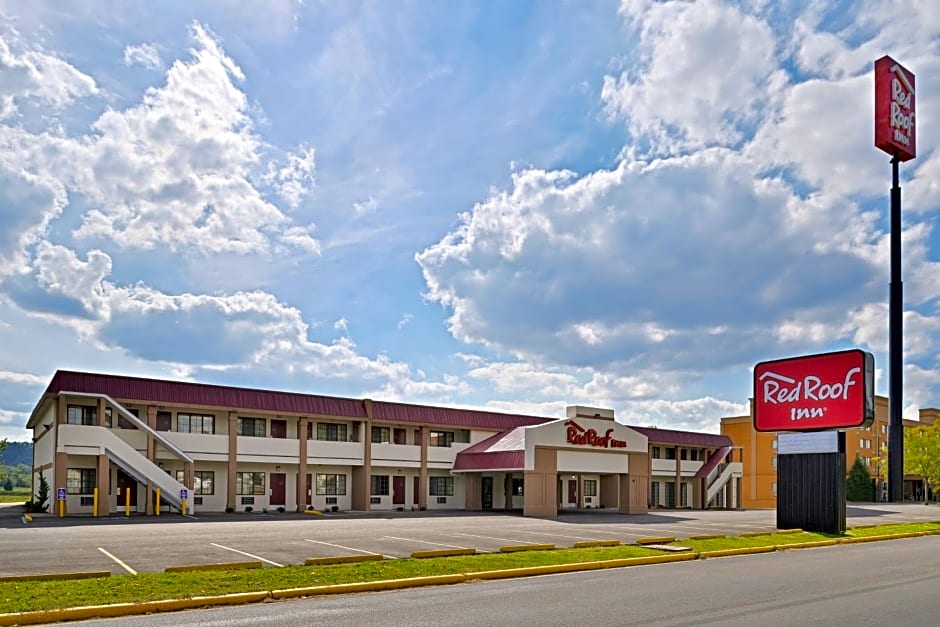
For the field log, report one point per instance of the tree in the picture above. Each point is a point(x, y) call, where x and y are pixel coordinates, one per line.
point(42, 496)
point(922, 454)
point(858, 486)
point(3, 445)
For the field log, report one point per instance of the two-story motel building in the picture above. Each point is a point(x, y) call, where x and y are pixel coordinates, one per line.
point(114, 442)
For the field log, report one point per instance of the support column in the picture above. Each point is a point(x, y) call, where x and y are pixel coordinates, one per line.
point(678, 499)
point(423, 476)
point(103, 478)
point(102, 413)
point(60, 474)
point(507, 490)
point(232, 459)
point(362, 475)
point(151, 454)
point(302, 464)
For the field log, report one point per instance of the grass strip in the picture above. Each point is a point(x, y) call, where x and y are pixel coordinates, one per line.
point(45, 595)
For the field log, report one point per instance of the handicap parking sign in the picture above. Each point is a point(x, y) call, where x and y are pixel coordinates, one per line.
point(184, 494)
point(60, 494)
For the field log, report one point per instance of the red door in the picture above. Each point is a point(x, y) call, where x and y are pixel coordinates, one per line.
point(398, 490)
point(278, 428)
point(572, 491)
point(417, 490)
point(164, 420)
point(278, 488)
point(127, 488)
point(309, 495)
point(399, 436)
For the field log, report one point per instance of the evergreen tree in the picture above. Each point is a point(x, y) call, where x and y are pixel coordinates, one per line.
point(42, 496)
point(858, 485)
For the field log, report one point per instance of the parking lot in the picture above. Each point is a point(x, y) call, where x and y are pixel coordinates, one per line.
point(144, 544)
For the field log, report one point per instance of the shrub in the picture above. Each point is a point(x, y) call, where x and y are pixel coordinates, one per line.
point(281, 509)
point(334, 508)
point(229, 509)
point(249, 508)
point(40, 502)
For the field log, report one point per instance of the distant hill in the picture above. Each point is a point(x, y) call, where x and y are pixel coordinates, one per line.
point(17, 453)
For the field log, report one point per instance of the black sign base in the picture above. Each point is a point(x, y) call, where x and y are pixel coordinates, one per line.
point(811, 491)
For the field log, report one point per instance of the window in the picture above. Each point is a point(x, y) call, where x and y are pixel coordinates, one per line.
point(81, 480)
point(670, 494)
point(252, 427)
point(331, 484)
point(683, 494)
point(442, 438)
point(123, 422)
point(441, 486)
point(81, 415)
point(773, 487)
point(400, 435)
point(331, 432)
point(379, 485)
point(249, 483)
point(164, 421)
point(683, 454)
point(670, 452)
point(204, 481)
point(773, 462)
point(518, 485)
point(657, 453)
point(381, 434)
point(196, 423)
point(693, 455)
point(590, 487)
point(654, 495)
point(773, 444)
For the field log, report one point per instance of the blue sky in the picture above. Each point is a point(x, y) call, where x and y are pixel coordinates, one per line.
point(512, 205)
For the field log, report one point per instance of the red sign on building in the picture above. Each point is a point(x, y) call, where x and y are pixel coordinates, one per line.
point(815, 392)
point(590, 437)
point(895, 129)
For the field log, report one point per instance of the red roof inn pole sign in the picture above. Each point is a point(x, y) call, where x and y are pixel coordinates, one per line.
point(895, 131)
point(896, 134)
point(815, 392)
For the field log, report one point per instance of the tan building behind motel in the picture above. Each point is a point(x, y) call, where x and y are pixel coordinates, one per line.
point(113, 442)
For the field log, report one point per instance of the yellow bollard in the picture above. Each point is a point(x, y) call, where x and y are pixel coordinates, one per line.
point(96, 501)
point(184, 507)
point(158, 501)
point(127, 501)
point(61, 508)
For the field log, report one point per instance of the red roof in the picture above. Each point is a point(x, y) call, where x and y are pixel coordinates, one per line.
point(248, 399)
point(403, 412)
point(503, 451)
point(683, 438)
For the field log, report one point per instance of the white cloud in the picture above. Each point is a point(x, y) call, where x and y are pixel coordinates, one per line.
point(364, 207)
point(31, 73)
point(405, 319)
point(294, 180)
point(708, 70)
point(342, 325)
point(22, 378)
point(145, 55)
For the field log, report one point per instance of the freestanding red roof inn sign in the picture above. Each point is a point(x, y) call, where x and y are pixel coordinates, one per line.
point(815, 392)
point(895, 130)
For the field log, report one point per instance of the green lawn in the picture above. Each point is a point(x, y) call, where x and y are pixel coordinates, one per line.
point(14, 497)
point(39, 595)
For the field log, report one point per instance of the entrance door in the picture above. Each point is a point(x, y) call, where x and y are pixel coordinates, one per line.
point(417, 489)
point(127, 488)
point(486, 496)
point(398, 490)
point(573, 492)
point(278, 488)
point(308, 498)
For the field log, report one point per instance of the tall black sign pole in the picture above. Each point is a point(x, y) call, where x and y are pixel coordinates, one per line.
point(895, 349)
point(895, 133)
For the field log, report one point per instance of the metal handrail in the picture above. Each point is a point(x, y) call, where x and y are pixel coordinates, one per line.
point(137, 421)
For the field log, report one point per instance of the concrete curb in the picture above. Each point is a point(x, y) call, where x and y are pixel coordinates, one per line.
point(657, 540)
point(443, 553)
point(708, 536)
point(93, 574)
point(368, 586)
point(743, 551)
point(515, 548)
point(222, 566)
point(626, 562)
point(588, 544)
point(344, 559)
point(807, 545)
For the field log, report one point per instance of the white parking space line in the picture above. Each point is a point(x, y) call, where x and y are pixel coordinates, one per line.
point(448, 546)
point(471, 535)
point(119, 562)
point(255, 557)
point(349, 548)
